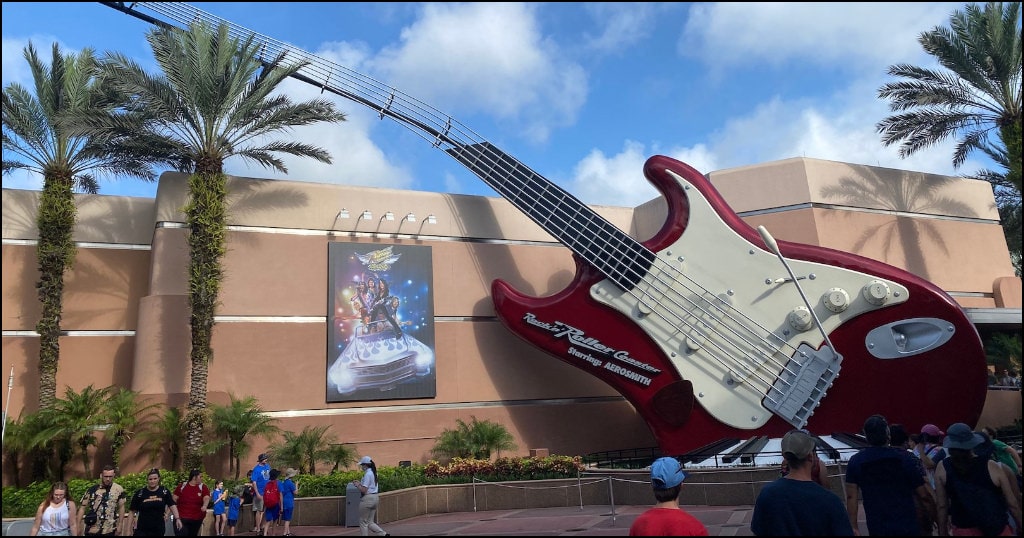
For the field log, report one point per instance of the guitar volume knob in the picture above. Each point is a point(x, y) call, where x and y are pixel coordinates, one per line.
point(876, 292)
point(800, 319)
point(836, 300)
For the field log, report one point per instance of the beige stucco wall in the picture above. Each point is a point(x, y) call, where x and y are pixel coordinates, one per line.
point(270, 341)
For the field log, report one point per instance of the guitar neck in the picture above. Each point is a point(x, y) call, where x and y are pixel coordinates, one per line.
point(615, 254)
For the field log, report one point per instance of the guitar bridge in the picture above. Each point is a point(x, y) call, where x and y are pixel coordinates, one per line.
point(802, 384)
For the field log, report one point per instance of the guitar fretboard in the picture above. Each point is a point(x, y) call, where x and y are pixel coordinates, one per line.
point(614, 253)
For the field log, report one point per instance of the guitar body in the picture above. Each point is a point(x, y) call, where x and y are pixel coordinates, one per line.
point(940, 380)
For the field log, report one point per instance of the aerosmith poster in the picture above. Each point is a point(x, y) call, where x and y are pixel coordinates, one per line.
point(381, 323)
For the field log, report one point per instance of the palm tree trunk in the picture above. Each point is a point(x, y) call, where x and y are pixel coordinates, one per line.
point(206, 213)
point(55, 252)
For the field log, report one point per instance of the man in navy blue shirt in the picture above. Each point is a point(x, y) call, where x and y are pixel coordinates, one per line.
point(796, 505)
point(888, 478)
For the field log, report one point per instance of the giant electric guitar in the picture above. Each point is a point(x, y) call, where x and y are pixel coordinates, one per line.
point(710, 328)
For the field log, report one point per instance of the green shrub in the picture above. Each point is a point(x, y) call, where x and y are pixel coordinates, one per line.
point(24, 502)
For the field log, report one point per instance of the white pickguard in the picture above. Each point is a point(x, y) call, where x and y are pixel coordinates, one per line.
point(714, 303)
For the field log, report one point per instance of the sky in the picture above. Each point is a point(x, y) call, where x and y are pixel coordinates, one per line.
point(582, 93)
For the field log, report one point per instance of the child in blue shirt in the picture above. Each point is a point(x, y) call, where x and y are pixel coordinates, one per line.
point(219, 508)
point(234, 505)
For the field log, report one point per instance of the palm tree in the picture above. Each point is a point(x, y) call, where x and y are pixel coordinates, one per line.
point(35, 138)
point(17, 441)
point(236, 421)
point(474, 440)
point(126, 413)
point(977, 95)
point(488, 437)
point(73, 421)
point(453, 443)
point(340, 455)
point(211, 101)
point(165, 436)
point(314, 443)
point(288, 451)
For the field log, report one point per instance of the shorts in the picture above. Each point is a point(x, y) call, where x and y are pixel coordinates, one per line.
point(257, 504)
point(286, 514)
point(232, 522)
point(273, 513)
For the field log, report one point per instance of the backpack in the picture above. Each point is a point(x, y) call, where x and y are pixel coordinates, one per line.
point(271, 495)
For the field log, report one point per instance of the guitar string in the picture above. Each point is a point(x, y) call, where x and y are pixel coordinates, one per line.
point(422, 117)
point(382, 90)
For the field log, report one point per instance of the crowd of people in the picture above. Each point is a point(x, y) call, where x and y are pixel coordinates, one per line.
point(952, 483)
point(958, 482)
point(106, 509)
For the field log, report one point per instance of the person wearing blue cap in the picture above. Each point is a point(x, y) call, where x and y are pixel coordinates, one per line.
point(667, 518)
point(795, 505)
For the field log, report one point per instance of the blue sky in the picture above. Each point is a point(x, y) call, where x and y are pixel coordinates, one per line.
point(582, 93)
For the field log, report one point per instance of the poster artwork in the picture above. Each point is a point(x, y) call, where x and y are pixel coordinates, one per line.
point(381, 338)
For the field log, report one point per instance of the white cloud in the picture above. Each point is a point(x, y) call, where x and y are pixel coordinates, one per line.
point(620, 24)
point(486, 58)
point(852, 34)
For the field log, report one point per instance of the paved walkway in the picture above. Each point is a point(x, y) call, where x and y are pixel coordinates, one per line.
point(562, 521)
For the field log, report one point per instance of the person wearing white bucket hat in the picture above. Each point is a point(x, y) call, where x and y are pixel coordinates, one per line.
point(368, 501)
point(973, 494)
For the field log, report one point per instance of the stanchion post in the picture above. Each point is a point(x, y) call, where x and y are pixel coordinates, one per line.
point(579, 484)
point(611, 497)
point(474, 494)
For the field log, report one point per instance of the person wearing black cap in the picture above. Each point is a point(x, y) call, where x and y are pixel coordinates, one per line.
point(888, 478)
point(260, 477)
point(794, 505)
point(974, 495)
point(667, 518)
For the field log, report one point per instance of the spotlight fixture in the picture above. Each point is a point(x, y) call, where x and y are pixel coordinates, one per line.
point(431, 219)
point(367, 215)
point(388, 215)
point(410, 217)
point(343, 214)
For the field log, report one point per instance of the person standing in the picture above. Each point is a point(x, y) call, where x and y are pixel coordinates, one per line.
point(56, 515)
point(235, 509)
point(220, 506)
point(795, 505)
point(974, 494)
point(889, 479)
point(818, 470)
point(149, 505)
point(102, 506)
point(192, 498)
point(929, 449)
point(1004, 453)
point(288, 490)
point(271, 503)
point(260, 475)
point(899, 438)
point(368, 502)
point(667, 518)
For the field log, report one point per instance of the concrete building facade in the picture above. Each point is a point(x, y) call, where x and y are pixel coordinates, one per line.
point(126, 313)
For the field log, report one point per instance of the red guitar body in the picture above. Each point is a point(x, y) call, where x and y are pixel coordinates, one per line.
point(940, 386)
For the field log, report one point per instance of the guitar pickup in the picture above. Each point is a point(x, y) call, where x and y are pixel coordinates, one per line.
point(802, 384)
